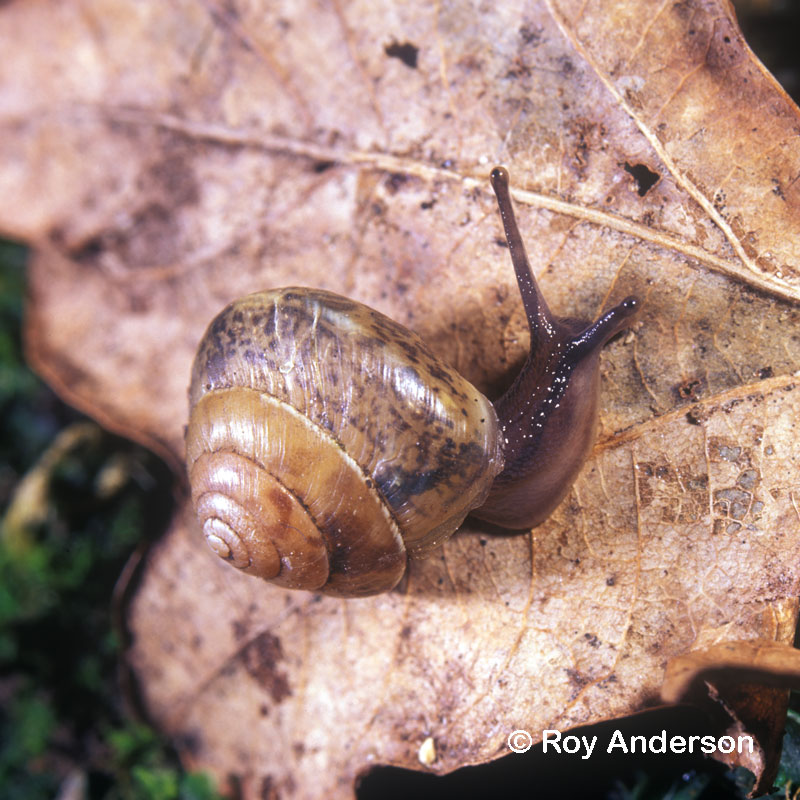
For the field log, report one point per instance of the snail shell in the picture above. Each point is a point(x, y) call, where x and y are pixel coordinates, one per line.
point(326, 442)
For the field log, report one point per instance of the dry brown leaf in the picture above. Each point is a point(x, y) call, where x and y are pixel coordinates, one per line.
point(165, 158)
point(744, 685)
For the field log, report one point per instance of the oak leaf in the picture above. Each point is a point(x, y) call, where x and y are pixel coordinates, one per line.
point(164, 159)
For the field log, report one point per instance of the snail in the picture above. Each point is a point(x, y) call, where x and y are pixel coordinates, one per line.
point(327, 444)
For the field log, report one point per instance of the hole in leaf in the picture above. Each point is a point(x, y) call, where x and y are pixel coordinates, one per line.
point(689, 389)
point(406, 52)
point(645, 178)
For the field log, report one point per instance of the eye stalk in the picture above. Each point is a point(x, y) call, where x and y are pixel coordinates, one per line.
point(548, 417)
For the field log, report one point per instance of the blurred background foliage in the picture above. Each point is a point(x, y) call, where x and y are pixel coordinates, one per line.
point(79, 506)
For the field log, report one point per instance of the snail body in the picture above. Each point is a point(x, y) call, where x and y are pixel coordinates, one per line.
point(327, 443)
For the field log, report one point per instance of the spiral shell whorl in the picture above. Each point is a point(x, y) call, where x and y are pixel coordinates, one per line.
point(253, 477)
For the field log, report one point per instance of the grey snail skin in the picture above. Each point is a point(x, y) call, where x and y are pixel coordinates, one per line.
point(327, 444)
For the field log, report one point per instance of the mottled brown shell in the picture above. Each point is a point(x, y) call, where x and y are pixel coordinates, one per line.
point(326, 443)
